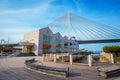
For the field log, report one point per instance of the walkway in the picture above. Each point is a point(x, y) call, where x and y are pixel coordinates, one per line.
point(14, 69)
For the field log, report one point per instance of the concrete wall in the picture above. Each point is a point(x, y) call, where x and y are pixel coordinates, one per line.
point(105, 57)
point(33, 37)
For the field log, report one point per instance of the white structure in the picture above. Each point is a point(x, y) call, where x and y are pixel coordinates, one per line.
point(45, 41)
point(112, 58)
point(90, 60)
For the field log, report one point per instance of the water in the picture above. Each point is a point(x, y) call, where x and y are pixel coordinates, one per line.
point(97, 47)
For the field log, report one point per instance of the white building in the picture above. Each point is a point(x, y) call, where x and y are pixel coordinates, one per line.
point(46, 41)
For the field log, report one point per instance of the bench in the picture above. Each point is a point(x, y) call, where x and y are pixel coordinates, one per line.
point(30, 61)
point(109, 71)
point(48, 70)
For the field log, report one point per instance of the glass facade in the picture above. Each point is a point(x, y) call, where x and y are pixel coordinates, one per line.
point(58, 45)
point(58, 42)
point(47, 39)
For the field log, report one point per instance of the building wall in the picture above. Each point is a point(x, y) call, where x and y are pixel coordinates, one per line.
point(55, 39)
point(33, 37)
point(105, 57)
point(44, 31)
point(37, 37)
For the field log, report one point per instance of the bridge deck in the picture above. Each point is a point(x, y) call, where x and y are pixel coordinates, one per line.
point(98, 41)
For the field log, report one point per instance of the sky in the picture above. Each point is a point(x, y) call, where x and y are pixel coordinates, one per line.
point(18, 17)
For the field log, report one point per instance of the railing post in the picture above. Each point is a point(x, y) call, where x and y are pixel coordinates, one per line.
point(43, 57)
point(62, 57)
point(90, 60)
point(54, 58)
point(112, 58)
point(71, 59)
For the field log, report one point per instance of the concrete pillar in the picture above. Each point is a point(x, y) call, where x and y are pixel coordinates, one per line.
point(112, 58)
point(54, 58)
point(43, 57)
point(90, 60)
point(71, 59)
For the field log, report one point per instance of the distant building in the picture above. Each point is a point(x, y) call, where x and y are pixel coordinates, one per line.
point(46, 42)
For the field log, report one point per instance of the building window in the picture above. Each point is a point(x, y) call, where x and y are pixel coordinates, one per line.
point(47, 32)
point(58, 43)
point(47, 39)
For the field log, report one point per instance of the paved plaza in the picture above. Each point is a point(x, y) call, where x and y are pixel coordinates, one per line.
point(13, 68)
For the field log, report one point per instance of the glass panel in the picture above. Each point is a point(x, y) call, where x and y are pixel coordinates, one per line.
point(47, 39)
point(58, 42)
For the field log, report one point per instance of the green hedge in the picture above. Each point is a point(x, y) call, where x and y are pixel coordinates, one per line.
point(117, 60)
point(109, 49)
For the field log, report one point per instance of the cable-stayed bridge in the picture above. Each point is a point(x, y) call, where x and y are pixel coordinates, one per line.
point(84, 30)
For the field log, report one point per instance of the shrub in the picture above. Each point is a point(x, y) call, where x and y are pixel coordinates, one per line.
point(109, 49)
point(117, 60)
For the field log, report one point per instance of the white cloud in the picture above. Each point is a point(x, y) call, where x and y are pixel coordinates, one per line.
point(15, 23)
point(15, 34)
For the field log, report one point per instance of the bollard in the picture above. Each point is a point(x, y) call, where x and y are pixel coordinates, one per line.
point(112, 58)
point(90, 60)
point(71, 59)
point(54, 58)
point(43, 57)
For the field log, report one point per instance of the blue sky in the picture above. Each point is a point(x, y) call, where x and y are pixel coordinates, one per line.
point(18, 17)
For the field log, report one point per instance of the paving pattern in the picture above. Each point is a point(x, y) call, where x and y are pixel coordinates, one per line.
point(13, 68)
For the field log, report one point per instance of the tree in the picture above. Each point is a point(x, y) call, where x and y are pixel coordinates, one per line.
point(112, 49)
